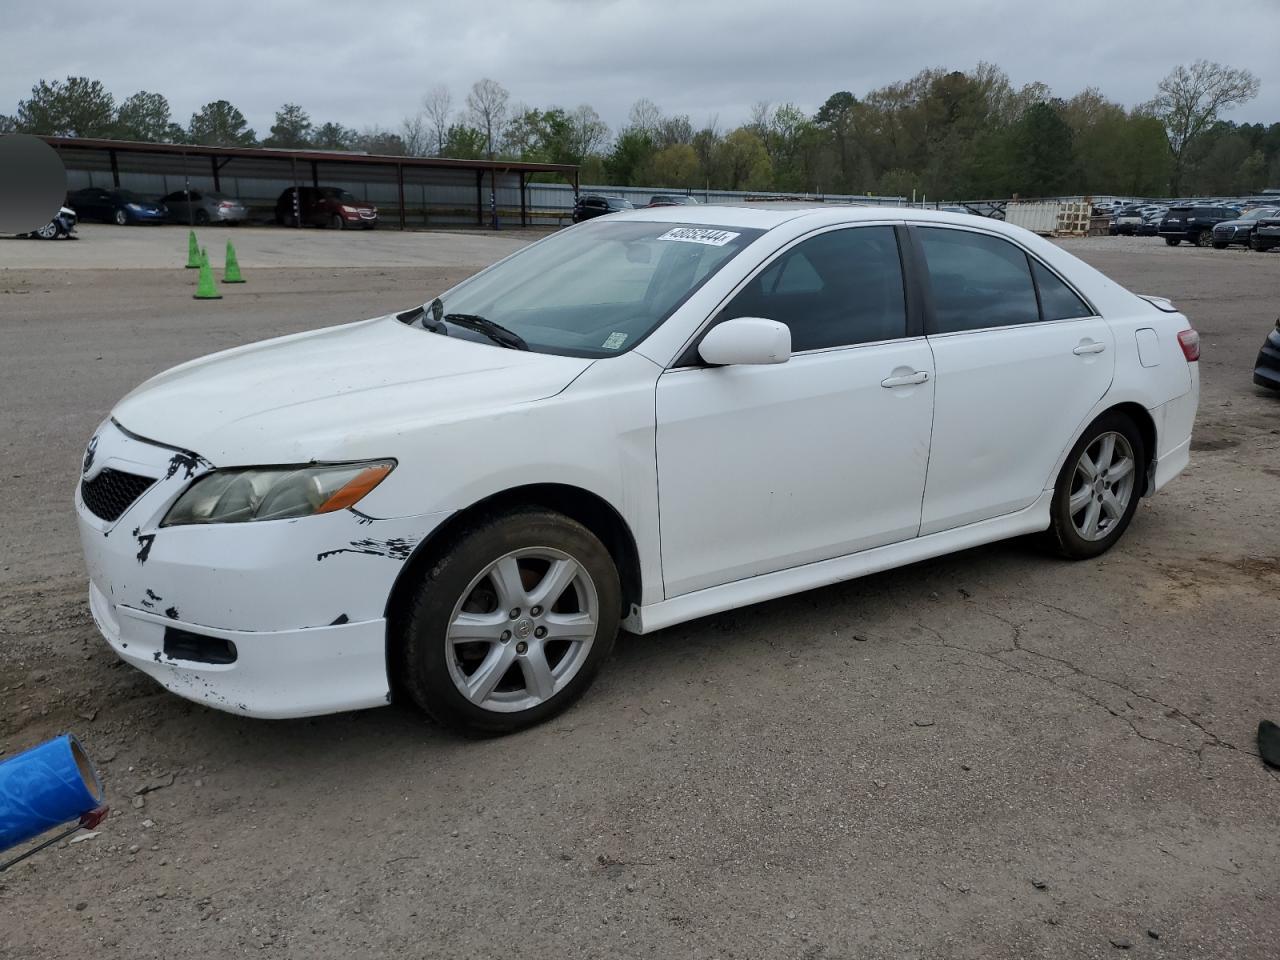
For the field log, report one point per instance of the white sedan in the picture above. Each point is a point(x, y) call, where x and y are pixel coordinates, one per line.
point(640, 420)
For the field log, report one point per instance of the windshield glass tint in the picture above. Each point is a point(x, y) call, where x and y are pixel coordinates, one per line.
point(597, 289)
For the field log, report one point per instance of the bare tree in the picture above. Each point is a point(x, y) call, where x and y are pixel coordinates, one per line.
point(416, 135)
point(437, 106)
point(487, 105)
point(645, 116)
point(1190, 99)
point(588, 132)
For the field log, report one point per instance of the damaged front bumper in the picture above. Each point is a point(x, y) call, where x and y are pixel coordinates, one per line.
point(277, 618)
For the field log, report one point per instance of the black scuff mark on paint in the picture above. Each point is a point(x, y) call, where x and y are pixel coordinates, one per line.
point(361, 518)
point(340, 620)
point(396, 548)
point(156, 656)
point(152, 595)
point(188, 462)
point(172, 613)
point(144, 545)
point(89, 453)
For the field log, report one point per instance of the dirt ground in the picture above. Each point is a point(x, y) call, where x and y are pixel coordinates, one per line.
point(990, 755)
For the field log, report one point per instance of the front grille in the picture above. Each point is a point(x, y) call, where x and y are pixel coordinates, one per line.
point(112, 492)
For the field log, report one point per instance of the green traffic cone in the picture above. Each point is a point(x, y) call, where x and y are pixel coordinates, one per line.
point(205, 290)
point(193, 252)
point(232, 272)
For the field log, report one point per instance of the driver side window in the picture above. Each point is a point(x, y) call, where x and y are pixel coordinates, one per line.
point(839, 288)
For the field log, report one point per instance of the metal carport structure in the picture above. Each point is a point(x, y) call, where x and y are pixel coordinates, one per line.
point(421, 190)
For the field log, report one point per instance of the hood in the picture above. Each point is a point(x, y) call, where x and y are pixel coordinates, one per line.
point(334, 394)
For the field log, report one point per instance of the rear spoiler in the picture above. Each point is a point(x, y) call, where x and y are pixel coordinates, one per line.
point(1160, 303)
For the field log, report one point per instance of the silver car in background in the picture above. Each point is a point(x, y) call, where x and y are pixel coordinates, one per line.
point(204, 206)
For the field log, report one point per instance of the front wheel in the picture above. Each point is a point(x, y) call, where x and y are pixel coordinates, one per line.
point(1257, 245)
point(1203, 239)
point(337, 222)
point(510, 623)
point(1172, 241)
point(121, 218)
point(1098, 488)
point(49, 231)
point(1219, 246)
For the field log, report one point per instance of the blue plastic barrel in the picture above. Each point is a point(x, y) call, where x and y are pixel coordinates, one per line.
point(47, 785)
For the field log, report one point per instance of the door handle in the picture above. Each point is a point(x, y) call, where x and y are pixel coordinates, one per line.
point(920, 376)
point(1091, 347)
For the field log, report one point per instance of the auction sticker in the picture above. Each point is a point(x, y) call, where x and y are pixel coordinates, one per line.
point(615, 341)
point(712, 238)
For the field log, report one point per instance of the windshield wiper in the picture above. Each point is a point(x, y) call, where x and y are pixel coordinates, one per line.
point(494, 331)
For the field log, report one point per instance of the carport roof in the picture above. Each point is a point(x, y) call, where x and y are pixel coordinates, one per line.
point(325, 156)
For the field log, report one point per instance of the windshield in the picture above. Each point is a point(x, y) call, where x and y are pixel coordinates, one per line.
point(1257, 214)
point(338, 194)
point(594, 290)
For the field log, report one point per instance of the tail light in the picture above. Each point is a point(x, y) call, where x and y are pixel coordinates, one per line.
point(1189, 340)
point(226, 204)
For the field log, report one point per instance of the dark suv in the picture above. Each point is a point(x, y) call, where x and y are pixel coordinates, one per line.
point(1193, 223)
point(593, 205)
point(326, 207)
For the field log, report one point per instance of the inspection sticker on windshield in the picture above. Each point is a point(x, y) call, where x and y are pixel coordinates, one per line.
point(614, 341)
point(712, 238)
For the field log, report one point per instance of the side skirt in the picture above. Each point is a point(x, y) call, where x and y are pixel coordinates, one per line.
point(770, 586)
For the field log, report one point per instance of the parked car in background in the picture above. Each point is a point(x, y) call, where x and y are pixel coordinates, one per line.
point(760, 401)
point(326, 207)
point(1150, 226)
point(115, 206)
point(671, 200)
point(62, 225)
point(591, 205)
point(1266, 373)
point(1193, 223)
point(204, 206)
point(1265, 233)
point(1127, 221)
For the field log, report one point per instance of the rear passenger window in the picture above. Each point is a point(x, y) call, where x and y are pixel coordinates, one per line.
point(1057, 300)
point(977, 280)
point(838, 288)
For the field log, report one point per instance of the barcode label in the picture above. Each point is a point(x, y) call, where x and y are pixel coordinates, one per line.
point(712, 238)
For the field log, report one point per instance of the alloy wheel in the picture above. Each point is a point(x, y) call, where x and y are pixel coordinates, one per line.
point(1102, 486)
point(522, 629)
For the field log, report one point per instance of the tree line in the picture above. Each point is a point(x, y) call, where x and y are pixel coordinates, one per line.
point(941, 134)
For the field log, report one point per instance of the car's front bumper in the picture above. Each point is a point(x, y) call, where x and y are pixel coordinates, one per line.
point(303, 601)
point(1266, 373)
point(231, 214)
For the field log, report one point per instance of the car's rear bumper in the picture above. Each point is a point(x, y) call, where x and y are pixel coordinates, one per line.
point(1174, 421)
point(1266, 373)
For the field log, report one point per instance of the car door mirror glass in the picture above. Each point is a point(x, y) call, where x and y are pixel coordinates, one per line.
point(746, 340)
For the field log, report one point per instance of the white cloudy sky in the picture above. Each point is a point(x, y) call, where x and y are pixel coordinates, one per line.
point(364, 62)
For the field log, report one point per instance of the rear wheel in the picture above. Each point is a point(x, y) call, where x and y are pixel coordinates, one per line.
point(1219, 246)
point(121, 217)
point(510, 624)
point(49, 231)
point(202, 217)
point(1172, 241)
point(1098, 488)
point(1258, 245)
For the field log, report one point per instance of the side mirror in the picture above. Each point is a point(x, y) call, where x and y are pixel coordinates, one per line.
point(749, 340)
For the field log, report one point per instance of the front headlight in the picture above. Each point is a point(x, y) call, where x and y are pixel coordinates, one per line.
point(347, 209)
point(134, 206)
point(276, 493)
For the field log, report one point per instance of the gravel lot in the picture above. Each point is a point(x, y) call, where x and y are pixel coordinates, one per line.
point(990, 755)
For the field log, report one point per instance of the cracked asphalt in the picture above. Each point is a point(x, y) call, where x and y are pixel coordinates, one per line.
point(991, 755)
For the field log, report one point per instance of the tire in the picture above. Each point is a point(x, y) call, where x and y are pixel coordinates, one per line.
point(337, 222)
point(1203, 239)
point(1172, 241)
point(1069, 529)
point(202, 217)
point(121, 217)
point(1257, 245)
point(529, 544)
point(1220, 246)
point(49, 231)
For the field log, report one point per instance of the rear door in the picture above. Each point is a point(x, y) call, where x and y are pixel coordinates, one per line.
point(1020, 358)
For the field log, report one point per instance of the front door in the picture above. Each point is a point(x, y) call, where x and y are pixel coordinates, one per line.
point(761, 468)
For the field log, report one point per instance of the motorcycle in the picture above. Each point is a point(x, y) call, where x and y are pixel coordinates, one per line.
point(62, 225)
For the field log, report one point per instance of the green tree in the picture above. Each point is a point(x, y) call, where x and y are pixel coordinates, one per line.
point(630, 155)
point(838, 117)
point(464, 142)
point(332, 136)
point(76, 107)
point(219, 124)
point(745, 162)
point(292, 128)
point(674, 166)
point(145, 116)
point(1043, 161)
